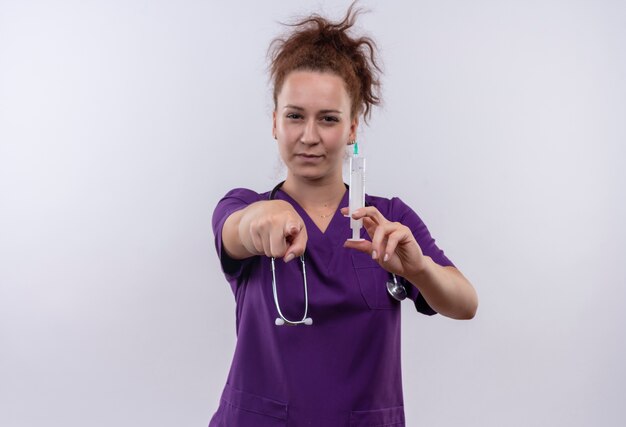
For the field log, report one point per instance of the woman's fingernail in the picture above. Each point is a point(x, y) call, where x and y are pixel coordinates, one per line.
point(386, 258)
point(374, 254)
point(289, 257)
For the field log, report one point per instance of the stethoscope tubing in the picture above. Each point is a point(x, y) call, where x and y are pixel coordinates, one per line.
point(282, 319)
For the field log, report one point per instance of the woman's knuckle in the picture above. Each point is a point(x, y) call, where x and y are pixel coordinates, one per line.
point(255, 226)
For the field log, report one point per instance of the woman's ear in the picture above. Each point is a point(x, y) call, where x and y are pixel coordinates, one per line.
point(274, 124)
point(353, 128)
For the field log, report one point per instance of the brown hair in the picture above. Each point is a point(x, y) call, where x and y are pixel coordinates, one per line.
point(317, 44)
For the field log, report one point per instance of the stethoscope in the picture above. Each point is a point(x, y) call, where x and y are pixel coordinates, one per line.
point(395, 289)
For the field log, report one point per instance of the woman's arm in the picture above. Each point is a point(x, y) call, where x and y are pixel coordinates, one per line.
point(446, 290)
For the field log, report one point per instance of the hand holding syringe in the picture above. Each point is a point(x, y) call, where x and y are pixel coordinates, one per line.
point(392, 244)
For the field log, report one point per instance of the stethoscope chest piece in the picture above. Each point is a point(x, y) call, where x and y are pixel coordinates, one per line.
point(396, 290)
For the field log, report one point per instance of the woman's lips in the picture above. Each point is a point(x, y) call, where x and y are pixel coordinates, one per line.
point(309, 157)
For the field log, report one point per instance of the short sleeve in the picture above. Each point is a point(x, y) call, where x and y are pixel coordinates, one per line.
point(233, 201)
point(409, 218)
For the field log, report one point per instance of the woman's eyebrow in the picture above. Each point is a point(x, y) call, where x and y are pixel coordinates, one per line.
point(295, 107)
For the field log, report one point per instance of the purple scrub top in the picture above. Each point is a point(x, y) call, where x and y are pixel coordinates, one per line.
point(342, 371)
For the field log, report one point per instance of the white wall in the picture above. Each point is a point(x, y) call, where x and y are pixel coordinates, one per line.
point(123, 123)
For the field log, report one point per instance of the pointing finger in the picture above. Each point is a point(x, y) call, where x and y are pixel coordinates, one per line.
point(278, 243)
point(291, 229)
point(298, 244)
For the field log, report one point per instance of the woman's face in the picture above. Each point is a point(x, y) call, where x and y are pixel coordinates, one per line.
point(313, 124)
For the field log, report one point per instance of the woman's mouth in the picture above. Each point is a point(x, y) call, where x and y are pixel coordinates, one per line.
point(309, 157)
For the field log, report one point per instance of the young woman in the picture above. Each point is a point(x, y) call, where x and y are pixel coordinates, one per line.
point(340, 366)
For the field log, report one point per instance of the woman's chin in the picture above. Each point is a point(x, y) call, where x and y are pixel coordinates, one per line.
point(313, 173)
point(308, 175)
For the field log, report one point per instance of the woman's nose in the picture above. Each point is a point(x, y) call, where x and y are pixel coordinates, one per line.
point(310, 135)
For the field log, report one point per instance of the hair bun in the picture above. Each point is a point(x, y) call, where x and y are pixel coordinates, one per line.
point(318, 44)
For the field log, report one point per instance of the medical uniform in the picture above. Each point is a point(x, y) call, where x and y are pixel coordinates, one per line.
point(342, 371)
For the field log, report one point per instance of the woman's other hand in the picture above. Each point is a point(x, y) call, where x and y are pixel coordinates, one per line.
point(445, 289)
point(393, 245)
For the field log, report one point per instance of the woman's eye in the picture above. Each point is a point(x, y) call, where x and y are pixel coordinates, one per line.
point(330, 119)
point(293, 116)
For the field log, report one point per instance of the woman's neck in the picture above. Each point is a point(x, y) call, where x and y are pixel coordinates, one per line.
point(313, 194)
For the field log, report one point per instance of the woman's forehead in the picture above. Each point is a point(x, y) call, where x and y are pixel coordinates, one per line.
point(314, 90)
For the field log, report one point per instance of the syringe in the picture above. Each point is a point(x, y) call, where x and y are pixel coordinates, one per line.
point(357, 191)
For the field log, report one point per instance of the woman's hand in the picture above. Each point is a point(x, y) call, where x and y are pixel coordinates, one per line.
point(393, 245)
point(273, 228)
point(445, 289)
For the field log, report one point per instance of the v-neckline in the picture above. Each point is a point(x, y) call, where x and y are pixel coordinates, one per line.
point(307, 218)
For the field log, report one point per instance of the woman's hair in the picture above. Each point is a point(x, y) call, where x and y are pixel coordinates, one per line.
point(317, 44)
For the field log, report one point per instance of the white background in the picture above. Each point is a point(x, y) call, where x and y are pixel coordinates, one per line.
point(122, 123)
